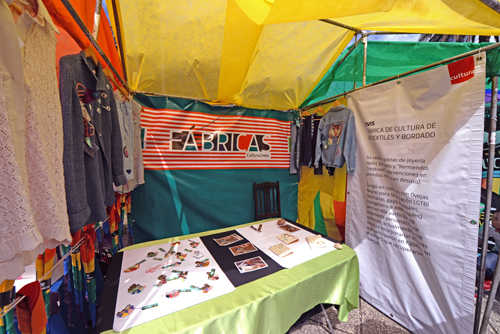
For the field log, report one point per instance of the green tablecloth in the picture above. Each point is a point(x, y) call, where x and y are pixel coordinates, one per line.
point(271, 304)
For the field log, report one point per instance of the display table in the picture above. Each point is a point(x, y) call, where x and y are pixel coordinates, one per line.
point(270, 304)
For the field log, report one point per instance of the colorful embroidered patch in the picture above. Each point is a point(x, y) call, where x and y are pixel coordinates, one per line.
point(173, 294)
point(187, 250)
point(134, 267)
point(162, 280)
point(126, 311)
point(180, 256)
point(193, 244)
point(175, 264)
point(147, 307)
point(206, 288)
point(152, 254)
point(157, 258)
point(136, 288)
point(181, 274)
point(212, 276)
point(203, 263)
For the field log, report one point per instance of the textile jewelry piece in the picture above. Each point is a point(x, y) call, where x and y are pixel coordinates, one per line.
point(162, 280)
point(203, 263)
point(130, 308)
point(193, 244)
point(175, 293)
point(136, 288)
point(44, 264)
point(126, 311)
point(212, 276)
point(134, 267)
point(180, 256)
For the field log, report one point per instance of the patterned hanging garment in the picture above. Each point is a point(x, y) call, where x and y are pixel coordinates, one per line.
point(68, 285)
point(113, 220)
point(7, 322)
point(87, 251)
point(44, 264)
point(128, 210)
point(122, 218)
point(76, 270)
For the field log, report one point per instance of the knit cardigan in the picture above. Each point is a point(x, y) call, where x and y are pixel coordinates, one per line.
point(92, 164)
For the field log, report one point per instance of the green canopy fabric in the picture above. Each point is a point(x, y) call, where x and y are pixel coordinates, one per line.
point(386, 59)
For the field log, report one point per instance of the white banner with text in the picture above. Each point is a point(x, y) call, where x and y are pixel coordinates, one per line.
point(414, 198)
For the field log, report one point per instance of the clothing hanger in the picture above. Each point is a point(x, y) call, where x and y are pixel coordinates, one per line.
point(318, 110)
point(15, 8)
point(336, 103)
point(111, 78)
point(304, 114)
point(90, 53)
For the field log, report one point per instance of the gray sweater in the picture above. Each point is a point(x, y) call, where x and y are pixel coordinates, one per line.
point(91, 164)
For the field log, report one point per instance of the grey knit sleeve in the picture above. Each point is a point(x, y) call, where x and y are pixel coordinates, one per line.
point(73, 153)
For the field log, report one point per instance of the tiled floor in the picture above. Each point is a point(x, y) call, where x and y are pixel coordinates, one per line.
point(368, 320)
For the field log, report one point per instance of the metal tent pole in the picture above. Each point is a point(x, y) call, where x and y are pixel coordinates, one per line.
point(119, 37)
point(87, 33)
point(489, 186)
point(365, 42)
point(97, 18)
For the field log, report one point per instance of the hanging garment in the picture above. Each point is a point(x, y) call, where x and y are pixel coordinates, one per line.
point(336, 142)
point(294, 131)
point(306, 154)
point(44, 132)
point(19, 235)
point(309, 132)
point(31, 315)
point(315, 130)
point(92, 140)
point(127, 131)
point(138, 161)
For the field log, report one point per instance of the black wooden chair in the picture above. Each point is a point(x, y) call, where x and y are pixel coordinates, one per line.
point(267, 200)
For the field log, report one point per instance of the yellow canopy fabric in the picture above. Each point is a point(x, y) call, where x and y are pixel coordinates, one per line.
point(464, 17)
point(266, 54)
point(212, 50)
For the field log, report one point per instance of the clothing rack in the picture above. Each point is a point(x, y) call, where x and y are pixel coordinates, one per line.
point(76, 247)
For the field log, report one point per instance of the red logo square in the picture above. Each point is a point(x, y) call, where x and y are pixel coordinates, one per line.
point(462, 70)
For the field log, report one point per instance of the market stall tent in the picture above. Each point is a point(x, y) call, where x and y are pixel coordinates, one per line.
point(266, 54)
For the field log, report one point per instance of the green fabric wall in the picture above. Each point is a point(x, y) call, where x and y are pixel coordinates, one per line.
point(180, 202)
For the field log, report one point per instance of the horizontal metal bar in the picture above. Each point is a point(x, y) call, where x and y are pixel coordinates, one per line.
point(167, 96)
point(338, 24)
